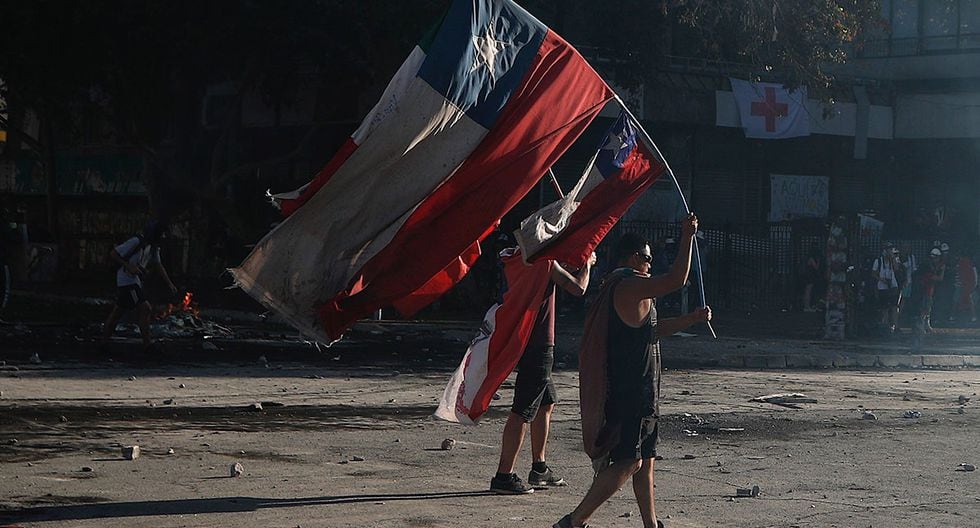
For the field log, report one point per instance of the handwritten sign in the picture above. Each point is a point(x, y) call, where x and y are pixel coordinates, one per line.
point(793, 197)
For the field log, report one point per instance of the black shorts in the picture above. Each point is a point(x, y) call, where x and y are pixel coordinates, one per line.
point(129, 297)
point(534, 387)
point(888, 298)
point(637, 439)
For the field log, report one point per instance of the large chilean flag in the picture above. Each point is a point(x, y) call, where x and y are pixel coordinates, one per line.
point(479, 111)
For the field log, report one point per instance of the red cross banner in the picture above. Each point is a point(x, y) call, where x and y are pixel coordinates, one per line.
point(769, 111)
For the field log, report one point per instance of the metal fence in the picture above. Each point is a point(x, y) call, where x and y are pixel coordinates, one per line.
point(760, 266)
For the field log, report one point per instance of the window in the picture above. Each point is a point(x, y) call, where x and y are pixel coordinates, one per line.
point(939, 24)
point(969, 24)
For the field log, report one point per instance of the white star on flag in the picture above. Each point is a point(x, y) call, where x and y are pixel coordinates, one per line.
point(615, 142)
point(487, 47)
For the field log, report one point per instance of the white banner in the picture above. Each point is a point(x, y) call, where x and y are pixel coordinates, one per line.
point(793, 197)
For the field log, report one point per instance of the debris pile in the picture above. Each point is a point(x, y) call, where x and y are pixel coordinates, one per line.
point(184, 320)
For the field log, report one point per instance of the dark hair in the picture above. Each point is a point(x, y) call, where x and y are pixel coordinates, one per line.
point(627, 245)
point(153, 231)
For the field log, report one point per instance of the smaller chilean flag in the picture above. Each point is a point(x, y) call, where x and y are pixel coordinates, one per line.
point(566, 231)
point(570, 229)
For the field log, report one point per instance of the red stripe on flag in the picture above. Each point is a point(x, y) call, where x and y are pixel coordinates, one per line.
point(289, 206)
point(440, 284)
point(559, 97)
point(602, 207)
point(514, 322)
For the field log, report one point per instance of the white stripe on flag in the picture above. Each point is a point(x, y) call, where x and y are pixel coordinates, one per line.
point(539, 229)
point(359, 210)
point(457, 399)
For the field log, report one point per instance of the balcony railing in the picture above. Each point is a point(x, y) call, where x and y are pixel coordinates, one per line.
point(910, 47)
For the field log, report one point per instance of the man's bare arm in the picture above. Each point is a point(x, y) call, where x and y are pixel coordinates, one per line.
point(666, 327)
point(576, 283)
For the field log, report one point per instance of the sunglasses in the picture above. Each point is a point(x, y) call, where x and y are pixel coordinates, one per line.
point(646, 258)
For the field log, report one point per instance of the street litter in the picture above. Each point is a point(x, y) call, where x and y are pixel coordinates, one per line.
point(868, 415)
point(966, 467)
point(236, 470)
point(35, 358)
point(963, 399)
point(184, 320)
point(131, 452)
point(747, 492)
point(789, 399)
point(448, 444)
point(912, 414)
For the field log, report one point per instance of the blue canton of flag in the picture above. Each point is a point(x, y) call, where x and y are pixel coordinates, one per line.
point(619, 143)
point(480, 56)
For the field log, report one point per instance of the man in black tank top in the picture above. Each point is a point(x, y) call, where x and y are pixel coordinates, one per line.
point(625, 318)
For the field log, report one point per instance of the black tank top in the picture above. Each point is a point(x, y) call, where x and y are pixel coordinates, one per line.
point(633, 366)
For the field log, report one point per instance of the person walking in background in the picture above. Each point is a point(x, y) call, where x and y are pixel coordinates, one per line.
point(534, 393)
point(929, 277)
point(910, 267)
point(619, 372)
point(134, 259)
point(964, 286)
point(813, 275)
point(886, 270)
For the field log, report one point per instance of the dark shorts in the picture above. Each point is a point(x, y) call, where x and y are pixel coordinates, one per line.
point(888, 298)
point(533, 387)
point(637, 439)
point(129, 297)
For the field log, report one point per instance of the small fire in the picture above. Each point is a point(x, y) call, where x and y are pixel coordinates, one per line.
point(187, 305)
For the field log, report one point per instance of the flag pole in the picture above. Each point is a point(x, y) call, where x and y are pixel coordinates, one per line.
point(554, 183)
point(660, 155)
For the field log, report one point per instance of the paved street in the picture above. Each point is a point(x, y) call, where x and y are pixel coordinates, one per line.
point(341, 444)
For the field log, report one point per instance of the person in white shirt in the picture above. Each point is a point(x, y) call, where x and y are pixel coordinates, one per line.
point(887, 269)
point(135, 258)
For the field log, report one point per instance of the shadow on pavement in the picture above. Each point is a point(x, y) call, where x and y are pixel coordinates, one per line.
point(110, 510)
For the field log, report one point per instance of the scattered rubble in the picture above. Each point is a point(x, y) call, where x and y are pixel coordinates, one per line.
point(131, 452)
point(789, 399)
point(747, 492)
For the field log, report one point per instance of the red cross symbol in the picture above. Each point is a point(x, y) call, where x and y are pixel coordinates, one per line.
point(770, 109)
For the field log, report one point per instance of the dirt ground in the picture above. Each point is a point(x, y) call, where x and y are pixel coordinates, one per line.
point(345, 445)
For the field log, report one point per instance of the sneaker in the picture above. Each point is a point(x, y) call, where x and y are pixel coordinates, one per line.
point(547, 478)
point(509, 485)
point(566, 522)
